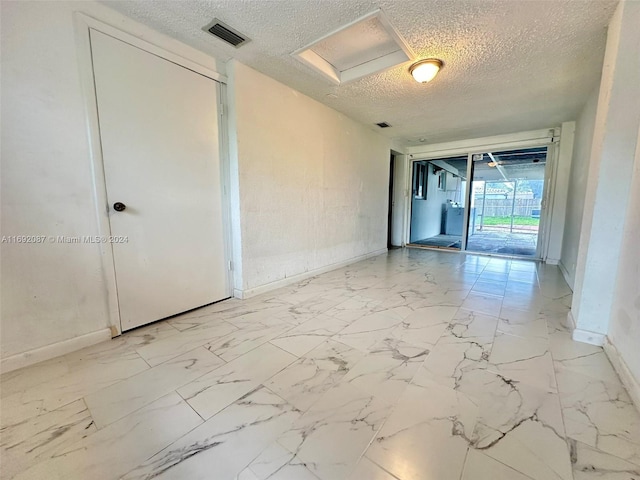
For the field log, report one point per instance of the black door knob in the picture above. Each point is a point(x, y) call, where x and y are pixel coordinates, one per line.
point(119, 207)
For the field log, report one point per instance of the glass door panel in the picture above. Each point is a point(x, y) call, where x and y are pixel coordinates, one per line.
point(506, 202)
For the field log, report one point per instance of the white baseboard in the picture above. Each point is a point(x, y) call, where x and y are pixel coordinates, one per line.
point(552, 261)
point(565, 274)
point(620, 366)
point(48, 352)
point(252, 292)
point(591, 338)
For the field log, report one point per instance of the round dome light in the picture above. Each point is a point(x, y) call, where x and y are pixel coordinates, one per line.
point(425, 70)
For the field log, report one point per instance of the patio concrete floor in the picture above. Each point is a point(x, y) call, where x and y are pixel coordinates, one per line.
point(489, 241)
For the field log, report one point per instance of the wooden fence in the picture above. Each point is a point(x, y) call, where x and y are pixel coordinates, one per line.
point(498, 207)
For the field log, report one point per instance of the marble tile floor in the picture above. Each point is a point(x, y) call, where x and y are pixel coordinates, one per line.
point(411, 365)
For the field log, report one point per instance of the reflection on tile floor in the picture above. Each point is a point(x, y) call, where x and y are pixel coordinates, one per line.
point(412, 365)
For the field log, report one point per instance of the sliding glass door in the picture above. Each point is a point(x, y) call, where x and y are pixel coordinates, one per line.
point(506, 195)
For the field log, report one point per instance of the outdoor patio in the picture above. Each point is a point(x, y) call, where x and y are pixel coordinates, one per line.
point(490, 240)
point(503, 242)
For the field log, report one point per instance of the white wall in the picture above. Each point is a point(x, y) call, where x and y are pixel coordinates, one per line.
point(51, 292)
point(624, 326)
point(577, 187)
point(426, 215)
point(608, 190)
point(313, 184)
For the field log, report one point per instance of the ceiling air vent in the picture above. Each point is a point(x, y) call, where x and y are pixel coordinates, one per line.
point(383, 125)
point(226, 33)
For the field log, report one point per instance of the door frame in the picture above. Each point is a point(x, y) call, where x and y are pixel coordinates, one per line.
point(544, 232)
point(390, 207)
point(409, 187)
point(509, 142)
point(83, 23)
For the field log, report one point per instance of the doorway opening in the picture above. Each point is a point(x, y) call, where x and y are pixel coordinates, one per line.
point(507, 191)
point(392, 165)
point(438, 202)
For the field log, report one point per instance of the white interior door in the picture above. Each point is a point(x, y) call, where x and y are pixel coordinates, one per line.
point(159, 134)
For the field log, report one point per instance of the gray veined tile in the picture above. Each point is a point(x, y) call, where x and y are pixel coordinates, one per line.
point(467, 325)
point(460, 356)
point(427, 434)
point(16, 410)
point(521, 426)
point(210, 313)
point(581, 358)
point(89, 371)
point(20, 380)
point(352, 308)
point(29, 442)
point(558, 323)
point(246, 474)
point(317, 305)
point(592, 464)
point(481, 467)
point(523, 323)
point(493, 276)
point(187, 340)
point(522, 448)
point(490, 286)
point(333, 434)
point(368, 331)
point(483, 303)
point(114, 450)
point(266, 317)
point(278, 463)
point(216, 390)
point(308, 335)
point(367, 470)
point(447, 298)
point(387, 370)
point(525, 360)
point(536, 371)
point(512, 348)
point(246, 339)
point(305, 381)
point(555, 288)
point(424, 326)
point(120, 399)
point(525, 276)
point(522, 296)
point(224, 445)
point(600, 414)
point(147, 334)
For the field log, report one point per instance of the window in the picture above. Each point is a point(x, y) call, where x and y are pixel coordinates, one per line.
point(442, 180)
point(419, 180)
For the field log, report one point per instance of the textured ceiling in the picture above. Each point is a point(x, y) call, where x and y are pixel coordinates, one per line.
point(509, 65)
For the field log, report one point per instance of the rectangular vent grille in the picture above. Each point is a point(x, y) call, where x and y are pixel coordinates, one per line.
point(383, 125)
point(226, 33)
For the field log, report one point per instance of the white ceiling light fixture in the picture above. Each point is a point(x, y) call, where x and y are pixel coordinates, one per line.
point(425, 70)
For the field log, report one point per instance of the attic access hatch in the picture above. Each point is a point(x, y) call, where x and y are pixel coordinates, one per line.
point(366, 46)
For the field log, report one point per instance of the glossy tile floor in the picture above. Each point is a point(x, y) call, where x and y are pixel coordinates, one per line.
point(412, 365)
